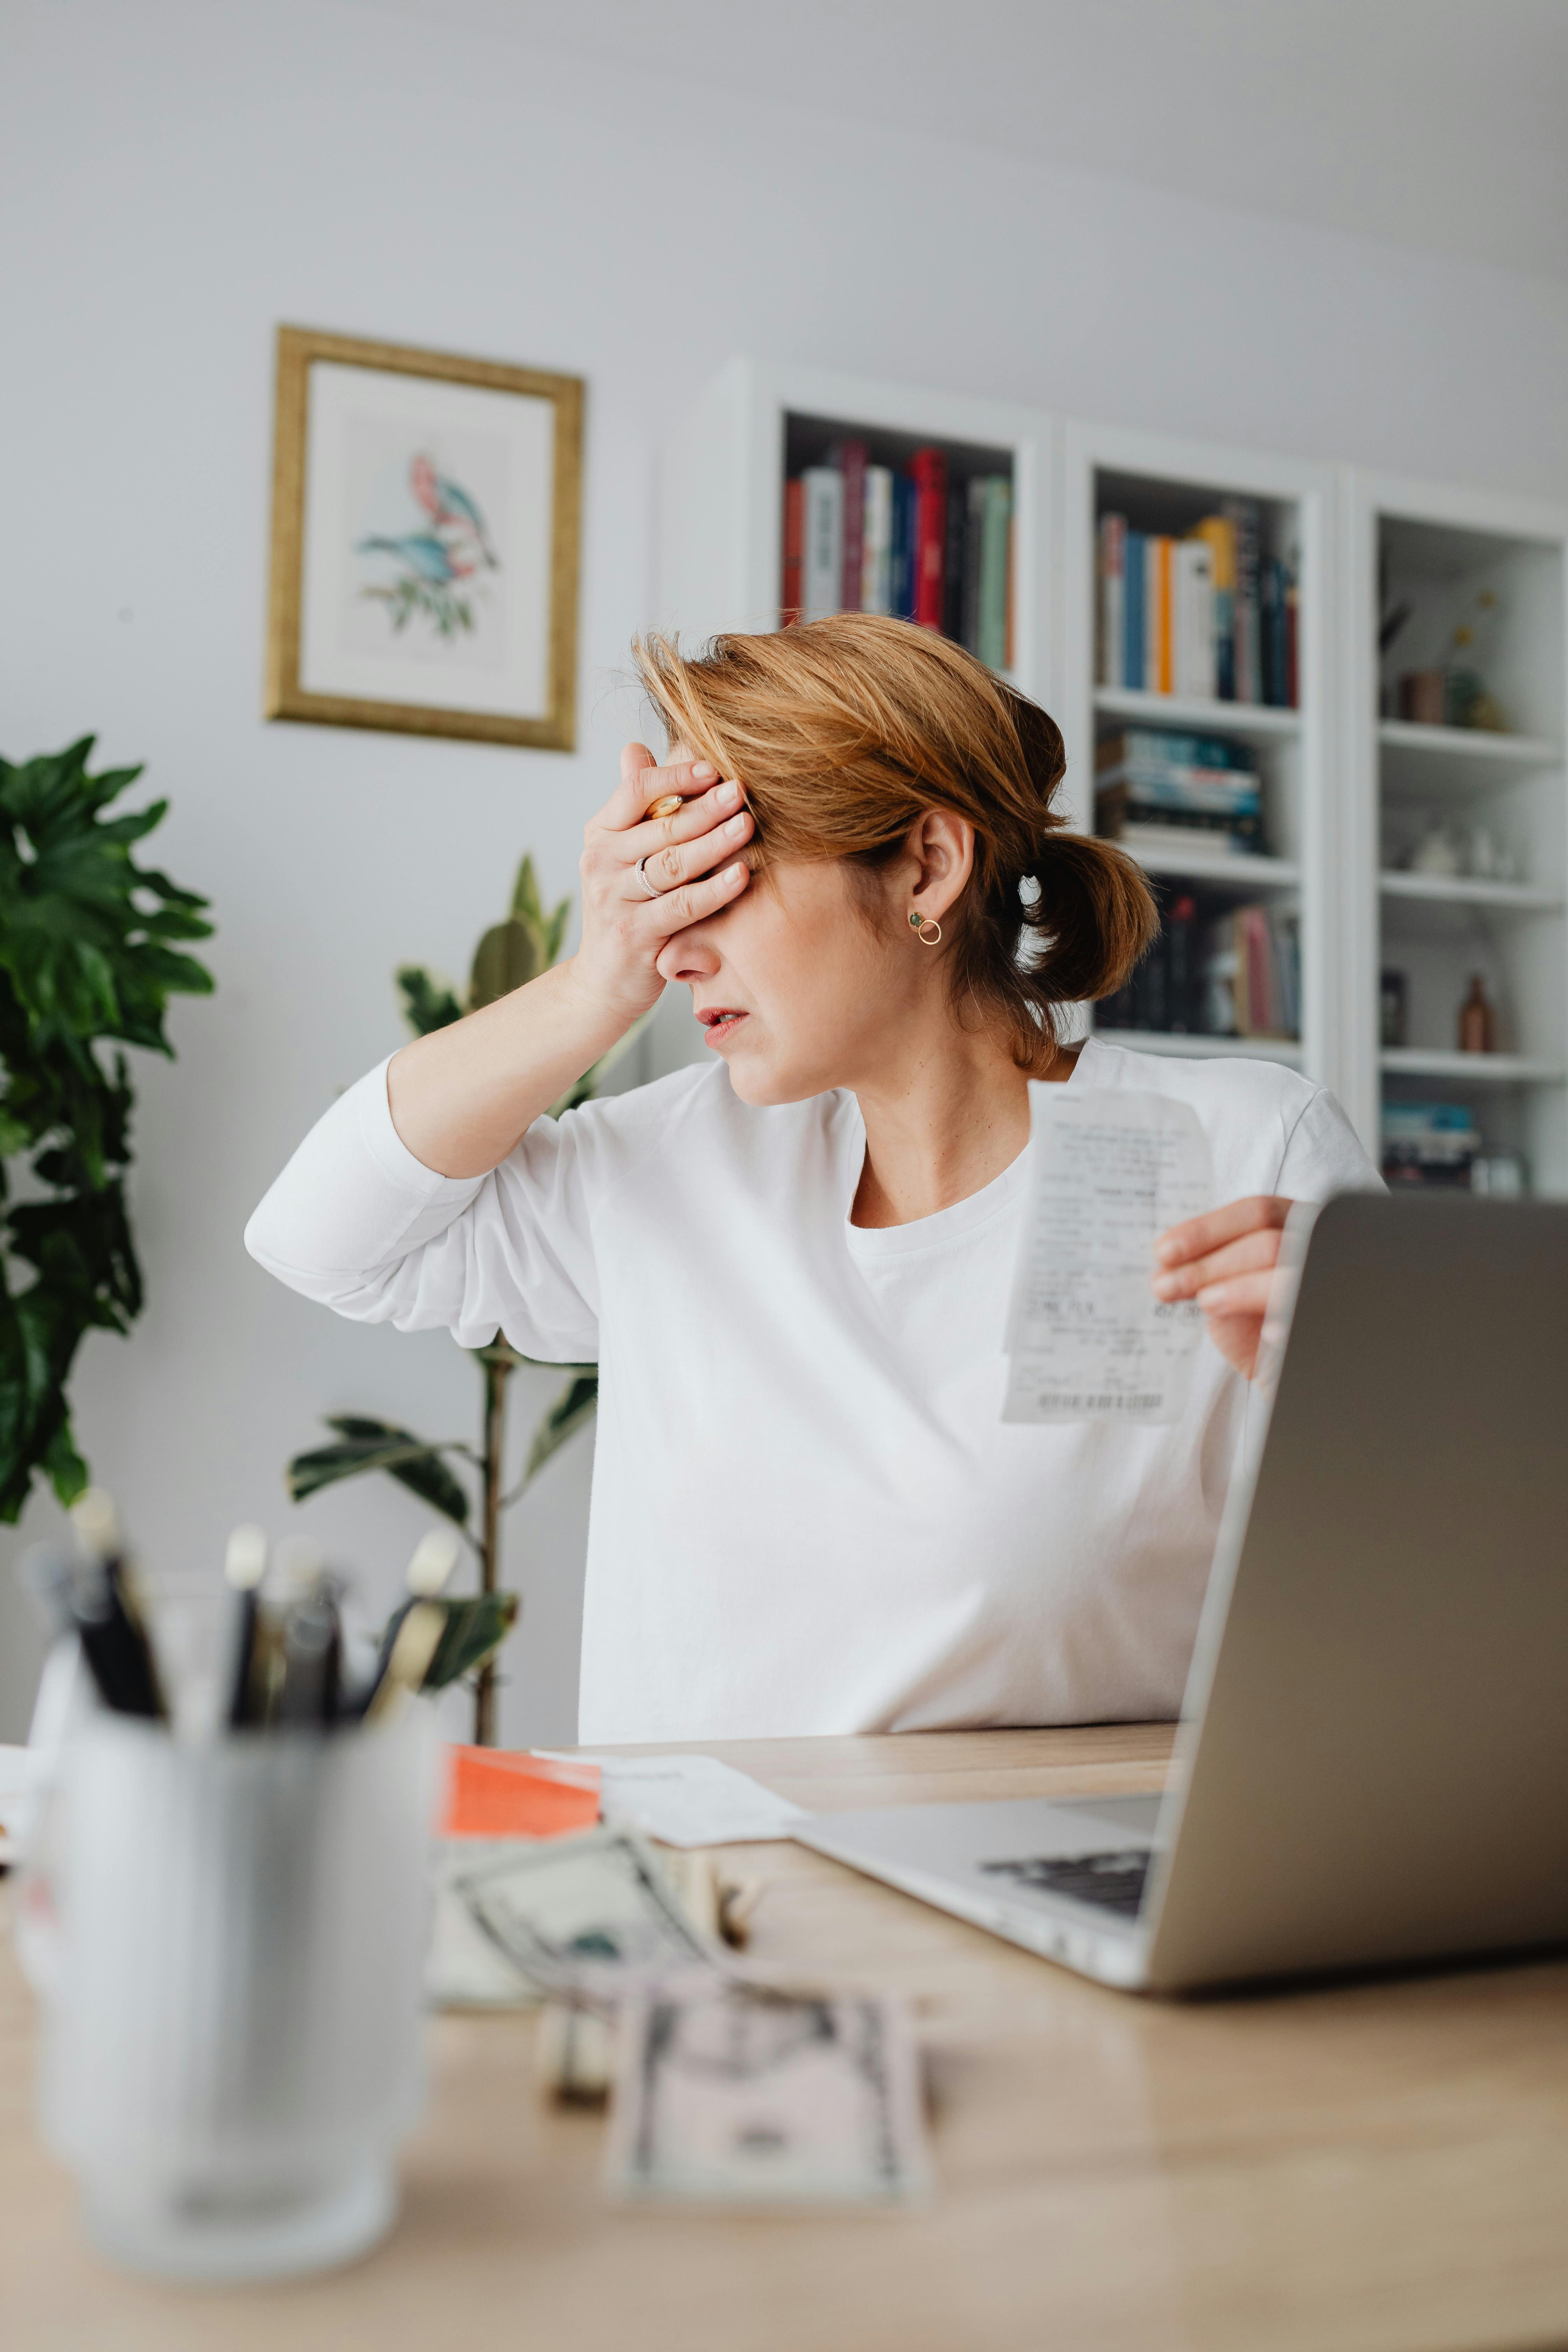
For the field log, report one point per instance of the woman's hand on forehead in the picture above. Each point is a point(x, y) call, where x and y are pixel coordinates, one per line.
point(647, 876)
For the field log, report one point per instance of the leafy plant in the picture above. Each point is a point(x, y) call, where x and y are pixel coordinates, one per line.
point(527, 942)
point(86, 959)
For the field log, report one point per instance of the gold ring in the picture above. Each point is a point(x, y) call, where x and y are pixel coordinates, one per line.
point(664, 807)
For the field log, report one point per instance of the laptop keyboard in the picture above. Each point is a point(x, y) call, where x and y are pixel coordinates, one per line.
point(1113, 1881)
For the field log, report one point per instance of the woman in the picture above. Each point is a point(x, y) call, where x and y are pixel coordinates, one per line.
point(793, 1265)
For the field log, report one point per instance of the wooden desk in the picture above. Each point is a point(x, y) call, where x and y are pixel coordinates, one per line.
point(1375, 2167)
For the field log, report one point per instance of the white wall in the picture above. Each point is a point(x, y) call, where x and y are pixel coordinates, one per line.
point(177, 177)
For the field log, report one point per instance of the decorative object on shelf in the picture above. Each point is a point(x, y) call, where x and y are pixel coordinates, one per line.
point(513, 952)
point(1466, 701)
point(1421, 698)
point(1478, 1022)
point(425, 542)
point(1439, 852)
point(90, 952)
point(1500, 1174)
point(1392, 1009)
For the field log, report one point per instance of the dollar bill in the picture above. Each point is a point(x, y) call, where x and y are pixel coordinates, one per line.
point(728, 2093)
point(586, 1916)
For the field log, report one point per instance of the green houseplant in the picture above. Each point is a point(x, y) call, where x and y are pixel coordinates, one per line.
point(86, 960)
point(513, 951)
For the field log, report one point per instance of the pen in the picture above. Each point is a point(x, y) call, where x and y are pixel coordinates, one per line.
point(418, 1639)
point(414, 1634)
point(104, 1608)
point(313, 1650)
point(244, 1567)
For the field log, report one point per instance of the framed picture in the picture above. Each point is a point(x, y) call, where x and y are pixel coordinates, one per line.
point(426, 518)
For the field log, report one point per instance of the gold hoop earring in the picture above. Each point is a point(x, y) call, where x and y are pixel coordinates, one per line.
point(923, 924)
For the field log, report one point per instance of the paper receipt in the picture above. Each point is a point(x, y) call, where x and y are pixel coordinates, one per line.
point(1087, 1338)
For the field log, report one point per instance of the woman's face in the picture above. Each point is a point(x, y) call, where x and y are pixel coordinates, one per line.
point(803, 984)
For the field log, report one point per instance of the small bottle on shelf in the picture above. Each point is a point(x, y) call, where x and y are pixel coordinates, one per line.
point(1478, 1022)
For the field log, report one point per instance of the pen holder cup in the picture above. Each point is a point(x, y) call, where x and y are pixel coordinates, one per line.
point(230, 1937)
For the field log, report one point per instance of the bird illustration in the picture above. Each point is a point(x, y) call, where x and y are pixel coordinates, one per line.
point(426, 555)
point(446, 502)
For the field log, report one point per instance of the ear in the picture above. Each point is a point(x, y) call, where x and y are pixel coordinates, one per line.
point(938, 860)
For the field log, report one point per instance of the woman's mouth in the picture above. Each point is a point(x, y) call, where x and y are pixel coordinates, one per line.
point(720, 1021)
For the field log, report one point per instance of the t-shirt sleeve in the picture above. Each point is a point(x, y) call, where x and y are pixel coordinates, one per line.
point(356, 1223)
point(1323, 1155)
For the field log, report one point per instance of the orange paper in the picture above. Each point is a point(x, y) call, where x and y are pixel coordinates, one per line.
point(500, 1793)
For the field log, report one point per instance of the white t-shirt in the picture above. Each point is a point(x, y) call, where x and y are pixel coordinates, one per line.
point(809, 1515)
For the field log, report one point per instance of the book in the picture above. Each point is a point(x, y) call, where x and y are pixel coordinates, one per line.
point(1159, 664)
point(1242, 515)
point(905, 506)
point(952, 567)
point(1218, 533)
point(1193, 618)
point(1111, 661)
point(821, 577)
point(1154, 749)
point(973, 545)
point(790, 590)
point(927, 471)
point(1007, 653)
point(1134, 590)
point(993, 647)
point(876, 562)
point(849, 457)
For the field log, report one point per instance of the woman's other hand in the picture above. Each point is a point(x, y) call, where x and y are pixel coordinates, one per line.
point(693, 863)
point(1225, 1261)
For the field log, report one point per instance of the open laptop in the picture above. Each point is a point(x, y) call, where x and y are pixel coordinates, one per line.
point(1373, 1765)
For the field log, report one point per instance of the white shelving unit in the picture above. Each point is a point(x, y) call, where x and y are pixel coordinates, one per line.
point(1349, 785)
point(1162, 484)
point(1446, 559)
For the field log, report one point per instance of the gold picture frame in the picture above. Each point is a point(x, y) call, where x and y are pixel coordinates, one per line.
point(420, 579)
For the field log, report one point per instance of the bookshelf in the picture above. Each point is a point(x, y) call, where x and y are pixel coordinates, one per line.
point(1457, 833)
point(721, 480)
point(1165, 487)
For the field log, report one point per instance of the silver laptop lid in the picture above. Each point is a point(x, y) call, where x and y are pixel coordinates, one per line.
point(1376, 1757)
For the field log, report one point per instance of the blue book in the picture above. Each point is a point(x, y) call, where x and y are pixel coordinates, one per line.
point(907, 532)
point(1132, 612)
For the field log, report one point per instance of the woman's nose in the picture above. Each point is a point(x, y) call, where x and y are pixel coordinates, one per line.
point(686, 956)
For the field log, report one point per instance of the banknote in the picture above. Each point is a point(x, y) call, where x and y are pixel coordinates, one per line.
point(586, 1916)
point(728, 2092)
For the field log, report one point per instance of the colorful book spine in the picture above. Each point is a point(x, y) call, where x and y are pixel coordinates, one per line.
point(823, 569)
point(994, 571)
point(1218, 532)
point(790, 590)
point(1241, 514)
point(952, 567)
point(1111, 667)
point(877, 561)
point(927, 471)
point(1159, 661)
point(1135, 591)
point(849, 457)
point(1193, 620)
point(906, 515)
point(974, 545)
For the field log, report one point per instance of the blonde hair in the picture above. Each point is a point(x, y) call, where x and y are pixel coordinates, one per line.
point(845, 731)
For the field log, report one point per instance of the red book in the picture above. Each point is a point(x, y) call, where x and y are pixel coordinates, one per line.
point(849, 457)
point(790, 592)
point(928, 469)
